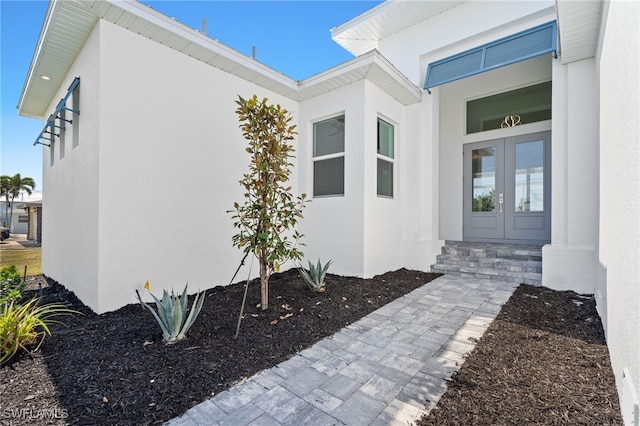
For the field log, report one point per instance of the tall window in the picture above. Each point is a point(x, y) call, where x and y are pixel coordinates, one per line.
point(385, 158)
point(328, 157)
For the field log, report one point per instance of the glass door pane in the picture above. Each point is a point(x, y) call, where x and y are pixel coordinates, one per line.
point(483, 166)
point(529, 176)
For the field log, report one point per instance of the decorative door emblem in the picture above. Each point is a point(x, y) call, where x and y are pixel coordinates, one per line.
point(510, 121)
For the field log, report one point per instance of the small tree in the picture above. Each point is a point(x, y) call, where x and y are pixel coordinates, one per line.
point(270, 211)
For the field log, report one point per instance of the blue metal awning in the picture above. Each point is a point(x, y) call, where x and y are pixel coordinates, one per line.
point(49, 131)
point(509, 50)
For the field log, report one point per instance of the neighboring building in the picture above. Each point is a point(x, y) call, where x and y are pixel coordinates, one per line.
point(21, 216)
point(440, 94)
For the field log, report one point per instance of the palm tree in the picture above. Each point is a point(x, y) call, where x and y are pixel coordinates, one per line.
point(10, 187)
point(5, 190)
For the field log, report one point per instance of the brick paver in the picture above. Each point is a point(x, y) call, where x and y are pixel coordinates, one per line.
point(389, 368)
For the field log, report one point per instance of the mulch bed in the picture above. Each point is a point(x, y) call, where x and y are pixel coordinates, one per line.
point(543, 360)
point(114, 368)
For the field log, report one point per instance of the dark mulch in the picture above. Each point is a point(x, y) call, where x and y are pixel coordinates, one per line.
point(114, 369)
point(543, 361)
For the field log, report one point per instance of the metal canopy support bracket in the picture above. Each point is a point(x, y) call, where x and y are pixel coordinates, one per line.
point(51, 121)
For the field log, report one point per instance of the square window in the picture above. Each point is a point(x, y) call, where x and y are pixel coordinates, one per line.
point(328, 176)
point(328, 136)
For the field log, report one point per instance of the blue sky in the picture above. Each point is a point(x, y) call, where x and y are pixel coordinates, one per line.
point(290, 36)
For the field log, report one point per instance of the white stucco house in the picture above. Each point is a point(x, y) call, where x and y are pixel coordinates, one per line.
point(511, 122)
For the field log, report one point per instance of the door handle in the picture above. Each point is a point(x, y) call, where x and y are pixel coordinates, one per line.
point(501, 202)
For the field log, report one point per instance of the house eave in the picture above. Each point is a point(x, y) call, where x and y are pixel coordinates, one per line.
point(578, 28)
point(371, 66)
point(364, 32)
point(69, 23)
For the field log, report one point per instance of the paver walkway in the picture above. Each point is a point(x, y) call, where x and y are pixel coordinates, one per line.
point(386, 369)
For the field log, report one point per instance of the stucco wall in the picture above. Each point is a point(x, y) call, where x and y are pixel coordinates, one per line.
point(173, 135)
point(70, 186)
point(569, 262)
point(383, 225)
point(619, 252)
point(360, 231)
point(333, 225)
point(159, 138)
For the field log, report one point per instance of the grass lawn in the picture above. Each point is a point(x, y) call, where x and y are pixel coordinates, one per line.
point(31, 257)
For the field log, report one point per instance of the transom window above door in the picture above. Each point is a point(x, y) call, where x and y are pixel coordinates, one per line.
point(513, 108)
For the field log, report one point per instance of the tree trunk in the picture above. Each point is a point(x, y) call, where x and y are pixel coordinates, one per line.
point(264, 285)
point(10, 214)
point(6, 211)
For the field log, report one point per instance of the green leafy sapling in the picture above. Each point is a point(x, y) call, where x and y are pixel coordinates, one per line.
point(11, 285)
point(267, 220)
point(171, 313)
point(315, 276)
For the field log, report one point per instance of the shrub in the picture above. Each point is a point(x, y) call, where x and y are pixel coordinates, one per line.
point(11, 285)
point(21, 325)
point(315, 277)
point(171, 313)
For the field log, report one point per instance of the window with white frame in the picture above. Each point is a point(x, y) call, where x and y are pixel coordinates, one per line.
point(385, 158)
point(328, 157)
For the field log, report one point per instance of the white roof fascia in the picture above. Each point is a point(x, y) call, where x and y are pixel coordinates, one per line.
point(37, 94)
point(371, 66)
point(363, 33)
point(165, 23)
point(47, 63)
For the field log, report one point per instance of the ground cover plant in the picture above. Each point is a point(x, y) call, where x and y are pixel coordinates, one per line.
point(11, 284)
point(115, 369)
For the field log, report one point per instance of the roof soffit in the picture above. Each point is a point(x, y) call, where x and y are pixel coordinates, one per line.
point(66, 28)
point(579, 27)
point(371, 66)
point(363, 33)
point(70, 22)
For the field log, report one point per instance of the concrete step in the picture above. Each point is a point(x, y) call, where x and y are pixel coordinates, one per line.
point(532, 278)
point(493, 250)
point(513, 265)
point(517, 263)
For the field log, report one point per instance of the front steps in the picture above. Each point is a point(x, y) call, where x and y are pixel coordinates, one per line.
point(516, 263)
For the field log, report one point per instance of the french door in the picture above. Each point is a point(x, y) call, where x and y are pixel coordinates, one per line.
point(507, 189)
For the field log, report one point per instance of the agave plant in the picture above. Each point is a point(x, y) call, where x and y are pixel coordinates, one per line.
point(171, 313)
point(315, 277)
